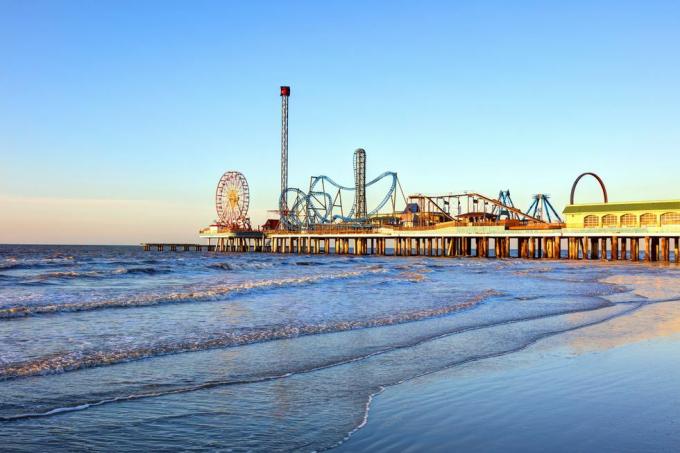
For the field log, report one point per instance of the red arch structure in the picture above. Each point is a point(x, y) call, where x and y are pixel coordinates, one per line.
point(573, 188)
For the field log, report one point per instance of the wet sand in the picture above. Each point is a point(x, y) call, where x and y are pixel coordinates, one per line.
point(610, 387)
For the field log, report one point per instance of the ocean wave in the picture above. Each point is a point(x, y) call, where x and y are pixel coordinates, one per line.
point(126, 262)
point(142, 270)
point(413, 277)
point(231, 266)
point(68, 275)
point(36, 263)
point(71, 361)
point(246, 266)
point(92, 274)
point(33, 265)
point(83, 405)
point(532, 339)
point(176, 297)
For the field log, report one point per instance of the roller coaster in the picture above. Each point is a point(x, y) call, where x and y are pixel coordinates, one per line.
point(323, 203)
point(474, 208)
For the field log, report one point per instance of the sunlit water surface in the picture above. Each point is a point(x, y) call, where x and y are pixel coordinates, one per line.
point(116, 348)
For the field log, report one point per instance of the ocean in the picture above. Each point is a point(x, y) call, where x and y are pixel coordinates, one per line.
point(114, 348)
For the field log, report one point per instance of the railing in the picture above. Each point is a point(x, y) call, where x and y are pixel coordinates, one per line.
point(326, 230)
point(465, 224)
point(220, 230)
point(537, 226)
point(414, 228)
point(337, 229)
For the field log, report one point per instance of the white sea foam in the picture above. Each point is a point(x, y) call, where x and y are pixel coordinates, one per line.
point(74, 360)
point(175, 297)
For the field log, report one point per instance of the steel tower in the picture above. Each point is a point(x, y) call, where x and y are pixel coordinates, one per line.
point(360, 183)
point(506, 201)
point(541, 208)
point(283, 207)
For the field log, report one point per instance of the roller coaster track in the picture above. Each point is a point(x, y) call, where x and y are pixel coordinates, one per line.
point(493, 201)
point(316, 206)
point(509, 208)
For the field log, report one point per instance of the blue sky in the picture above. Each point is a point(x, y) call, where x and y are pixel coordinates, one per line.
point(118, 118)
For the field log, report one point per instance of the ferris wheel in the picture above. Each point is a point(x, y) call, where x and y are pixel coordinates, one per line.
point(232, 199)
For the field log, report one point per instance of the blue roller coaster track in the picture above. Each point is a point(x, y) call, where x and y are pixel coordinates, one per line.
point(316, 206)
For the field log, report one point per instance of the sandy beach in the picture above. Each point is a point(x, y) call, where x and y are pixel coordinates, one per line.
point(608, 387)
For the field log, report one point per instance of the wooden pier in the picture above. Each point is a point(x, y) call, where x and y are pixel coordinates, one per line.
point(219, 240)
point(626, 231)
point(553, 244)
point(174, 247)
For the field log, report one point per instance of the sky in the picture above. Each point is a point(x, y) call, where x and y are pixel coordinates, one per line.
point(117, 118)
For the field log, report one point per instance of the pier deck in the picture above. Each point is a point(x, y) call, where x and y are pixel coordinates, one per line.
point(490, 241)
point(174, 247)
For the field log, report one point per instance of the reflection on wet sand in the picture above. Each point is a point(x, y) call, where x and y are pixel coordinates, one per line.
point(651, 320)
point(650, 286)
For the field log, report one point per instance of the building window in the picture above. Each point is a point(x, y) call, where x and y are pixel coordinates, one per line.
point(670, 218)
point(591, 221)
point(648, 219)
point(609, 220)
point(628, 220)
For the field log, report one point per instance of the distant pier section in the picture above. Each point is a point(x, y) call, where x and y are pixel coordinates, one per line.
point(174, 247)
point(226, 239)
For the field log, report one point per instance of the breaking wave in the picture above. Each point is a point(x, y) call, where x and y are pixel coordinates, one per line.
point(59, 363)
point(98, 274)
point(531, 339)
point(11, 265)
point(142, 270)
point(68, 275)
point(226, 266)
point(176, 297)
point(247, 266)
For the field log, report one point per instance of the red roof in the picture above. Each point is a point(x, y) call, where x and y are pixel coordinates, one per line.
point(271, 224)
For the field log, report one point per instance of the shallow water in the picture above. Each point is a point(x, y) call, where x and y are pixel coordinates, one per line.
point(611, 387)
point(108, 347)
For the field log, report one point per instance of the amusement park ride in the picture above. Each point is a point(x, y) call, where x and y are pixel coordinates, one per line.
point(327, 203)
point(321, 206)
point(333, 218)
point(232, 199)
point(329, 216)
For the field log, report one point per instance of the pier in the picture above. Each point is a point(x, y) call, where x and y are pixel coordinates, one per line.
point(314, 220)
point(483, 227)
point(496, 241)
point(174, 247)
point(536, 244)
point(480, 245)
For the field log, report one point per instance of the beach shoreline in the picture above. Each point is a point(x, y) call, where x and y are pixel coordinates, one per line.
point(545, 398)
point(122, 349)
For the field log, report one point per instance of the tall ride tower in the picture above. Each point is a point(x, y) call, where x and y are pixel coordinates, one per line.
point(360, 183)
point(285, 93)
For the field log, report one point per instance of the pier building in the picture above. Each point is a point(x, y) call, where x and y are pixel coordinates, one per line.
point(624, 217)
